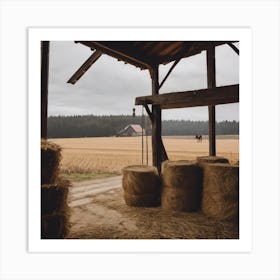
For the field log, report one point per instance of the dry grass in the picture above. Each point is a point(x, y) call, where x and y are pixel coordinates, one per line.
point(111, 154)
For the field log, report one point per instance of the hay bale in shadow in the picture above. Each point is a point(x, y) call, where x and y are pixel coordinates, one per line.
point(220, 195)
point(55, 212)
point(181, 186)
point(211, 159)
point(55, 226)
point(54, 198)
point(187, 200)
point(142, 200)
point(141, 185)
point(50, 158)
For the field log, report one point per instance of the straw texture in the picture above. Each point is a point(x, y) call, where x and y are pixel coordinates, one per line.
point(220, 196)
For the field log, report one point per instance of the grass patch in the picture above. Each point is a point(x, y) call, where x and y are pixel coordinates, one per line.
point(86, 176)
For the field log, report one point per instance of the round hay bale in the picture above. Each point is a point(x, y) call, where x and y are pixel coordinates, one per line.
point(182, 174)
point(142, 200)
point(211, 159)
point(181, 188)
point(54, 198)
point(54, 226)
point(220, 195)
point(166, 162)
point(179, 199)
point(50, 159)
point(140, 179)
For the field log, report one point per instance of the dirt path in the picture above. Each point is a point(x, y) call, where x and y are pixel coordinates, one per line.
point(81, 193)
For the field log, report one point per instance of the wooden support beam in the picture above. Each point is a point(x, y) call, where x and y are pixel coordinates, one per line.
point(211, 82)
point(150, 114)
point(169, 72)
point(156, 121)
point(234, 47)
point(193, 98)
point(163, 151)
point(82, 70)
point(45, 46)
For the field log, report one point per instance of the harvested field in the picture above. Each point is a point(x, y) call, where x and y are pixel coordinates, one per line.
point(111, 154)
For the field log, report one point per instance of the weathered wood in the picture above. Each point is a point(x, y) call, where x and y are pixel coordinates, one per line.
point(82, 70)
point(164, 155)
point(193, 98)
point(211, 82)
point(45, 46)
point(169, 72)
point(122, 55)
point(163, 151)
point(156, 121)
point(234, 47)
point(150, 114)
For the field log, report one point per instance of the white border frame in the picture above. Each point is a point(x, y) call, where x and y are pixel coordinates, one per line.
point(244, 243)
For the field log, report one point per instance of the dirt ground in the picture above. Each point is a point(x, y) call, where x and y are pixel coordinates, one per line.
point(98, 211)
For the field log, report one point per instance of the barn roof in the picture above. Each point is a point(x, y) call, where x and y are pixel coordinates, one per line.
point(136, 127)
point(143, 54)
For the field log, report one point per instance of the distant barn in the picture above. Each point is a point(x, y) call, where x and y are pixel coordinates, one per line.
point(131, 130)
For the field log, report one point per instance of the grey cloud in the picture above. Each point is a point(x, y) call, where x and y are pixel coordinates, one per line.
point(110, 86)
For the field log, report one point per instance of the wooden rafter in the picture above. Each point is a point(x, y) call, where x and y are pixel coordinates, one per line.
point(193, 98)
point(119, 54)
point(82, 70)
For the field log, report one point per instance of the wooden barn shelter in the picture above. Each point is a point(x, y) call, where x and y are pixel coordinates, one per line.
point(148, 55)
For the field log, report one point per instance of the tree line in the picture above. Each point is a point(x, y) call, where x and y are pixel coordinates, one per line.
point(102, 126)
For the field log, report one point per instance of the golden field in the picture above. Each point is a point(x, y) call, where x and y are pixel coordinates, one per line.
point(111, 154)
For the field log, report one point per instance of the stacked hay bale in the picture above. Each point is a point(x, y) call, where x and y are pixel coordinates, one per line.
point(141, 186)
point(54, 191)
point(211, 159)
point(181, 186)
point(220, 196)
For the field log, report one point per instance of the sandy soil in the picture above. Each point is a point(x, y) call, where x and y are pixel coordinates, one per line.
point(98, 211)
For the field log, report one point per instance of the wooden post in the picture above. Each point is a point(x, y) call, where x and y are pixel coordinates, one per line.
point(45, 46)
point(156, 121)
point(211, 82)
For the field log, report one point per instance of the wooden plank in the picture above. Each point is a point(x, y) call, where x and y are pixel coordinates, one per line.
point(86, 65)
point(45, 46)
point(211, 83)
point(193, 98)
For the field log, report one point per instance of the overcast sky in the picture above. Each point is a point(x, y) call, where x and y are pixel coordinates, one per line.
point(109, 87)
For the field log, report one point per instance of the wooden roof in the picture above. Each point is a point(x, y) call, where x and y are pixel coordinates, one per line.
point(146, 54)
